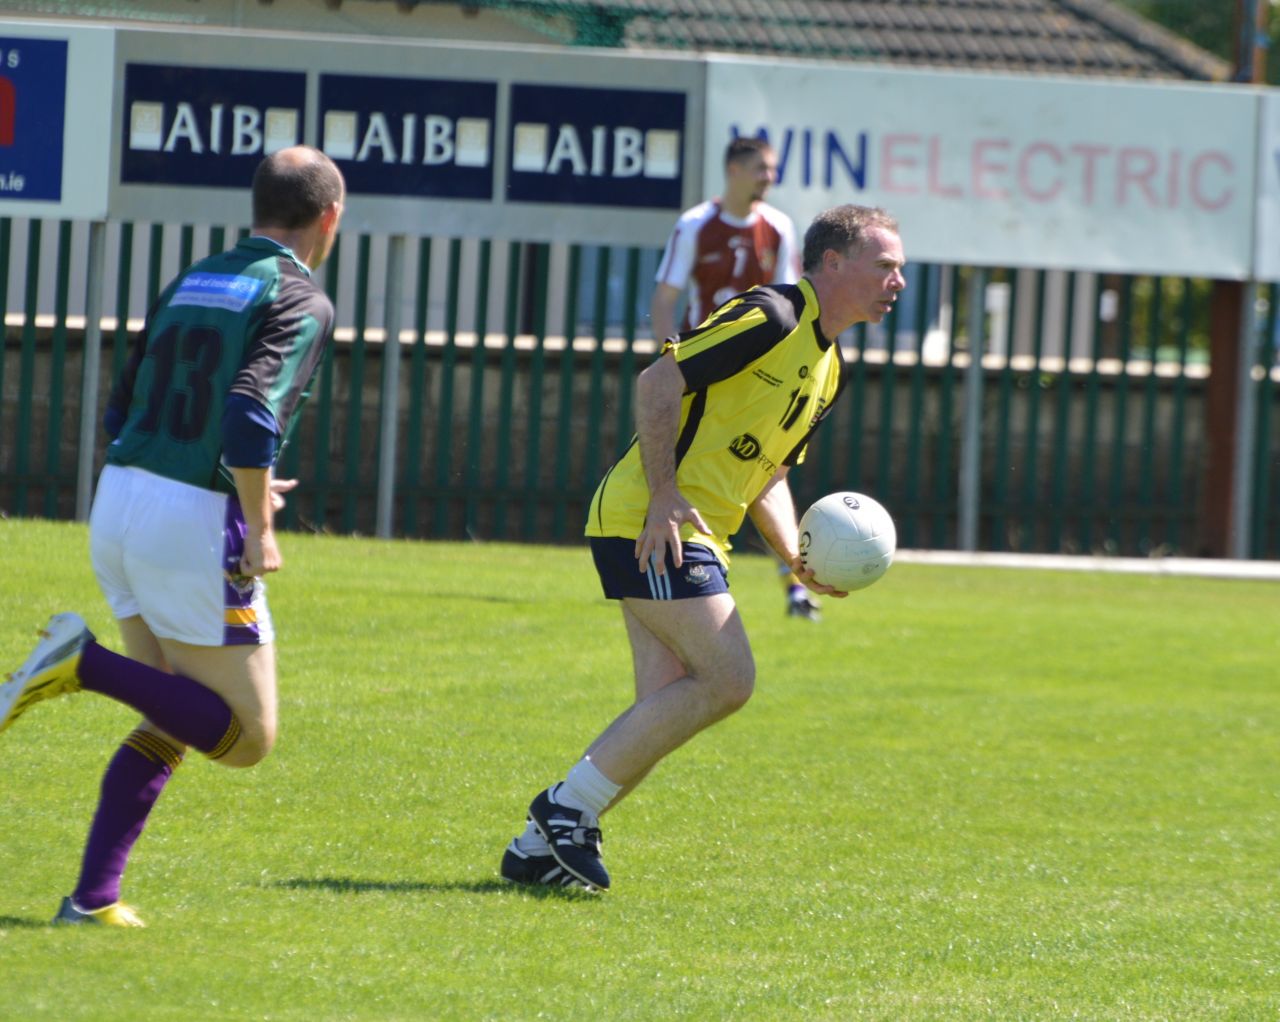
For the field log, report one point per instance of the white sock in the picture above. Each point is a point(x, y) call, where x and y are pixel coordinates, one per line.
point(587, 788)
point(531, 842)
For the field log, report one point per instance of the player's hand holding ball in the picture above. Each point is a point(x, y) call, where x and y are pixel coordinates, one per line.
point(847, 542)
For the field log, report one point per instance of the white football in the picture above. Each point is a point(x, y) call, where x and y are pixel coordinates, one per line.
point(848, 540)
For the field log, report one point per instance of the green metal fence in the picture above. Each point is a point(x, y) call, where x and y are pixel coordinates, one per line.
point(519, 360)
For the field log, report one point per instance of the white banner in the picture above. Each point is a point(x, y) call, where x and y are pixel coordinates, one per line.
point(1007, 170)
point(55, 119)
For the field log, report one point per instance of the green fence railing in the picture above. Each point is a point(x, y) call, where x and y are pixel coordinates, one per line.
point(519, 360)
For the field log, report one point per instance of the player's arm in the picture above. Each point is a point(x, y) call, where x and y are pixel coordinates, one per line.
point(662, 311)
point(280, 360)
point(659, 391)
point(786, 269)
point(261, 553)
point(674, 271)
point(249, 444)
point(774, 514)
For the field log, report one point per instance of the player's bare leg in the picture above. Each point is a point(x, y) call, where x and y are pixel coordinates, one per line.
point(710, 658)
point(528, 857)
point(655, 668)
point(141, 645)
point(707, 638)
point(245, 678)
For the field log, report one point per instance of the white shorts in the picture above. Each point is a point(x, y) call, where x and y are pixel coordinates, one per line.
point(171, 553)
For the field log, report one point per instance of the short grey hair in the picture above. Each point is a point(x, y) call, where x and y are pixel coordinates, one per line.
point(842, 228)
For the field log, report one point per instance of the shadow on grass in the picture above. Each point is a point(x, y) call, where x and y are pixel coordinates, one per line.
point(16, 923)
point(350, 885)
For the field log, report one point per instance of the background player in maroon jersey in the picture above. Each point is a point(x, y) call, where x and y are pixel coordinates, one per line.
point(725, 246)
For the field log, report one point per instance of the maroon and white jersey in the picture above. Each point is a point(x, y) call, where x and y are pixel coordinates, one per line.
point(716, 256)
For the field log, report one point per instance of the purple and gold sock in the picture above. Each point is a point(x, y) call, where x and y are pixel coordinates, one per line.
point(133, 781)
point(191, 712)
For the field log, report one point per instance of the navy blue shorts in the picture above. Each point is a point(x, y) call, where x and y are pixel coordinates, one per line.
point(702, 574)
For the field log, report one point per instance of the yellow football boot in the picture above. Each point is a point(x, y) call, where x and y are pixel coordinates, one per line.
point(49, 671)
point(115, 914)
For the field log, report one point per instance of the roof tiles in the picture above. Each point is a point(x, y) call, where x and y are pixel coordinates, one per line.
point(1050, 36)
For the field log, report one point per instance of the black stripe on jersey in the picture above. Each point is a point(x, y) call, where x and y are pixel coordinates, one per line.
point(790, 459)
point(729, 357)
point(299, 312)
point(696, 408)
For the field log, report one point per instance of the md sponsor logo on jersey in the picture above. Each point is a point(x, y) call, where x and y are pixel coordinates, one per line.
point(410, 136)
point(217, 291)
point(596, 147)
point(33, 98)
point(206, 125)
point(745, 447)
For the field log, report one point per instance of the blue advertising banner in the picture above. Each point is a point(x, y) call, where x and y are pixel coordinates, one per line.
point(410, 136)
point(33, 96)
point(206, 125)
point(585, 145)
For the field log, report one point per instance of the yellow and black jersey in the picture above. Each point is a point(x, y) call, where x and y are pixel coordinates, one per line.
point(759, 376)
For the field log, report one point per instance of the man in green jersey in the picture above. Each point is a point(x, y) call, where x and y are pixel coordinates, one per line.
point(181, 527)
point(721, 416)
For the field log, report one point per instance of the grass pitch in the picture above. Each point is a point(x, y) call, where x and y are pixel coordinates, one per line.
point(967, 794)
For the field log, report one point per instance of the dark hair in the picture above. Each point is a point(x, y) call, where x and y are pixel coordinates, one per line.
point(842, 228)
point(744, 146)
point(292, 187)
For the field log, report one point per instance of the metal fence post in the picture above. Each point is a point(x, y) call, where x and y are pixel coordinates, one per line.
point(971, 435)
point(390, 386)
point(1243, 453)
point(92, 369)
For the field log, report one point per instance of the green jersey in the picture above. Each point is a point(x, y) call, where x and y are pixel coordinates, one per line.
point(249, 321)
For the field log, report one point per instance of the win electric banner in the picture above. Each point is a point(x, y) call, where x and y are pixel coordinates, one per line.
point(1007, 170)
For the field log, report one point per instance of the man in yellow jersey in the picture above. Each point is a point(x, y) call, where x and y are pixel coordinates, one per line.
point(725, 246)
point(721, 416)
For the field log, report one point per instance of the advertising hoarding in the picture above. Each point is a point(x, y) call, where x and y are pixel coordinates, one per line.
point(55, 115)
point(466, 140)
point(1007, 170)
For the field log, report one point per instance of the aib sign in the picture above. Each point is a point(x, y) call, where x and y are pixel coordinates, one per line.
point(596, 147)
point(33, 95)
point(206, 125)
point(410, 136)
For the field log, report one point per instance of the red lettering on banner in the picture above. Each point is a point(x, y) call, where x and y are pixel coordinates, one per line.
point(1086, 174)
point(891, 161)
point(1090, 154)
point(1197, 167)
point(982, 166)
point(936, 187)
point(1024, 171)
point(1136, 166)
point(1175, 178)
point(8, 111)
